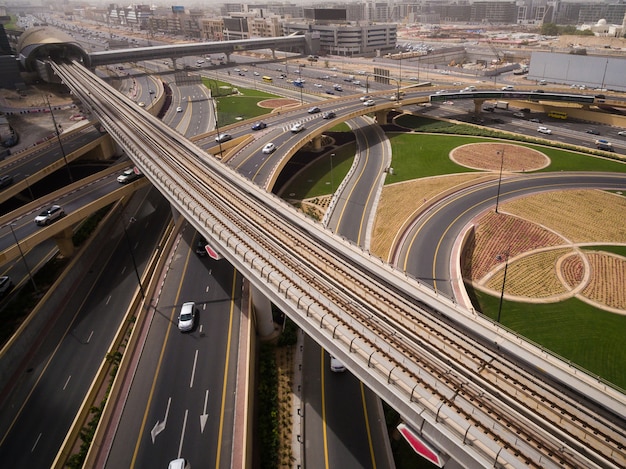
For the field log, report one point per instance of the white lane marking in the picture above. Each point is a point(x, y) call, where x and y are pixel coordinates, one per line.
point(67, 382)
point(182, 434)
point(193, 370)
point(35, 445)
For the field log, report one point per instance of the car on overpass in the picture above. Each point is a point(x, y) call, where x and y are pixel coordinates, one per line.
point(49, 215)
point(127, 176)
point(221, 138)
point(297, 127)
point(269, 148)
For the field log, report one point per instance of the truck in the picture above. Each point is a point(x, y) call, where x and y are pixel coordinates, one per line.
point(502, 105)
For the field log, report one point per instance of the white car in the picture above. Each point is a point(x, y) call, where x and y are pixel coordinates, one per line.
point(369, 102)
point(49, 215)
point(544, 130)
point(221, 138)
point(179, 109)
point(297, 127)
point(127, 176)
point(317, 85)
point(508, 88)
point(269, 148)
point(622, 133)
point(336, 366)
point(256, 74)
point(187, 316)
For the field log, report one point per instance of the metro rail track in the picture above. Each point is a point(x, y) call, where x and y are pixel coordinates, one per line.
point(505, 415)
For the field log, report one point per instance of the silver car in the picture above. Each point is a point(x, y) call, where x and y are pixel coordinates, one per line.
point(49, 215)
point(187, 316)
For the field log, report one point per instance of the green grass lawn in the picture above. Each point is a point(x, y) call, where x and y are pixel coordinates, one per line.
point(233, 107)
point(587, 336)
point(316, 179)
point(424, 155)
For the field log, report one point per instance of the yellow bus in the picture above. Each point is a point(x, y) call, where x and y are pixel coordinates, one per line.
point(557, 114)
point(268, 79)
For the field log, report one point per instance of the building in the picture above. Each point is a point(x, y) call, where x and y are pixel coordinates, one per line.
point(349, 39)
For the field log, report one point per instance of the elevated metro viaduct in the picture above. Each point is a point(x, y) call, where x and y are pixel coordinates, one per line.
point(41, 44)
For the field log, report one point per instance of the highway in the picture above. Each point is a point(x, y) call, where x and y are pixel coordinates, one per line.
point(181, 403)
point(59, 370)
point(459, 371)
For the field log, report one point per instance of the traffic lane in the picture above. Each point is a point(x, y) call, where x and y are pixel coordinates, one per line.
point(182, 368)
point(47, 153)
point(334, 433)
point(248, 163)
point(24, 226)
point(353, 211)
point(426, 249)
point(60, 371)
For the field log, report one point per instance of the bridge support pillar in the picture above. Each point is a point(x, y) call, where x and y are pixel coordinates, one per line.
point(478, 106)
point(381, 117)
point(263, 313)
point(64, 242)
point(273, 54)
point(317, 143)
point(174, 63)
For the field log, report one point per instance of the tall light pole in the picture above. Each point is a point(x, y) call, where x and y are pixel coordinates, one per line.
point(506, 267)
point(301, 83)
point(19, 247)
point(132, 253)
point(500, 177)
point(58, 134)
point(332, 182)
point(30, 191)
point(217, 127)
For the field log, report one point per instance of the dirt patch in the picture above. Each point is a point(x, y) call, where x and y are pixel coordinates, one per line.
point(396, 208)
point(278, 103)
point(494, 156)
point(538, 237)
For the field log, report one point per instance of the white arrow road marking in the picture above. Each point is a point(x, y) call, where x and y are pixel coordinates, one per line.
point(160, 426)
point(204, 417)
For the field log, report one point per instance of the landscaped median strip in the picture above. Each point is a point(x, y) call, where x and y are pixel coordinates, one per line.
point(89, 428)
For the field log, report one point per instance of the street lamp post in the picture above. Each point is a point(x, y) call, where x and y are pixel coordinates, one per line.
point(30, 191)
point(506, 267)
point(19, 247)
point(56, 131)
point(500, 178)
point(332, 182)
point(132, 254)
point(217, 127)
point(301, 84)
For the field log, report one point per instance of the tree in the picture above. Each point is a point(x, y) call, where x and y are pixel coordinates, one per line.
point(549, 29)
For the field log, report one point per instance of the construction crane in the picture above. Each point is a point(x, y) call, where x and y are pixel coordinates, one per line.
point(496, 53)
